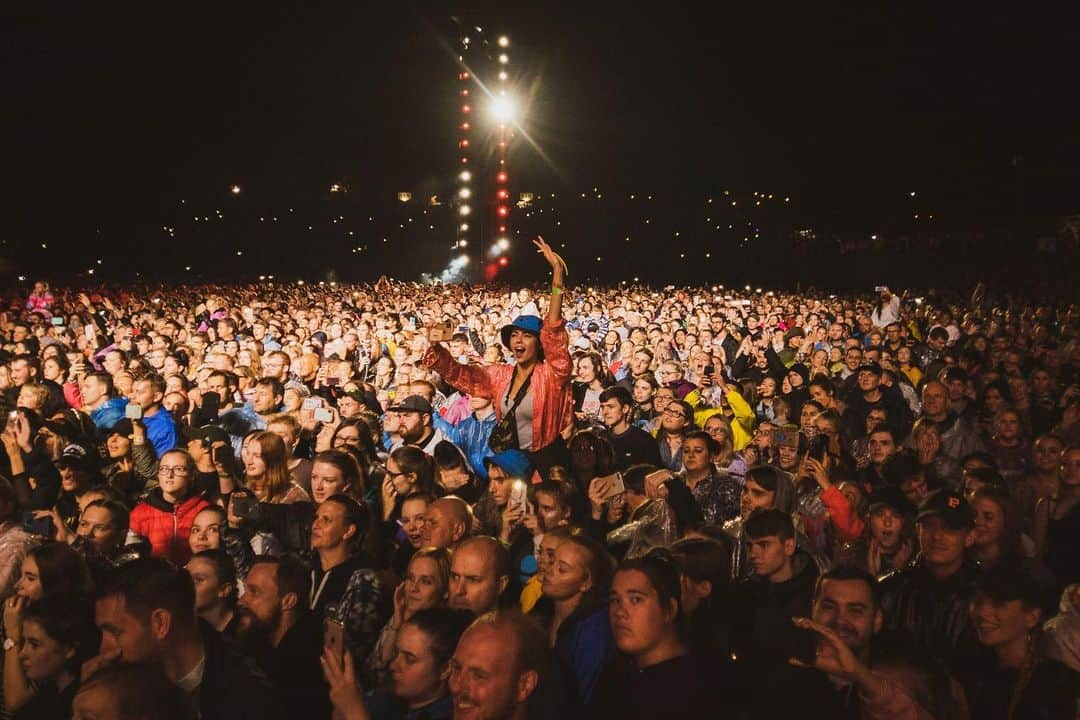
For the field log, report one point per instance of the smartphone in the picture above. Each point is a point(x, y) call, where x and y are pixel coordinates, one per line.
point(334, 638)
point(12, 417)
point(311, 404)
point(519, 495)
point(244, 506)
point(133, 411)
point(42, 527)
point(654, 475)
point(879, 288)
point(323, 415)
point(333, 382)
point(617, 486)
point(58, 321)
point(440, 333)
point(220, 454)
point(818, 447)
point(88, 330)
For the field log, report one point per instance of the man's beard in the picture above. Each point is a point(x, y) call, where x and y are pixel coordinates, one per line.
point(253, 633)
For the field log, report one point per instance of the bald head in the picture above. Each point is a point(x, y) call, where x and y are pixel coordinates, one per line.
point(446, 522)
point(479, 574)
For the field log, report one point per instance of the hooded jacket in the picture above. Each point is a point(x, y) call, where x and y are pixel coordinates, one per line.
point(109, 413)
point(167, 526)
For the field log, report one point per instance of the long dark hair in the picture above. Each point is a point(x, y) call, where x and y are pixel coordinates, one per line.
point(62, 570)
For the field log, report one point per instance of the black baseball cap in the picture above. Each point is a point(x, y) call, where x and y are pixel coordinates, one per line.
point(890, 496)
point(872, 366)
point(950, 506)
point(413, 403)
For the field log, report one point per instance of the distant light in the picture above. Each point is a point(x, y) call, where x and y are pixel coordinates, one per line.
point(502, 75)
point(235, 189)
point(501, 177)
point(404, 196)
point(187, 267)
point(503, 109)
point(912, 194)
point(873, 237)
point(464, 227)
point(503, 244)
point(463, 243)
point(503, 211)
point(463, 259)
point(504, 41)
point(504, 58)
point(465, 176)
point(464, 210)
point(22, 278)
point(503, 262)
point(239, 253)
point(465, 193)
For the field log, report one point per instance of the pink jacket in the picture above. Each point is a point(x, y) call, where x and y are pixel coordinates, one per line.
point(553, 403)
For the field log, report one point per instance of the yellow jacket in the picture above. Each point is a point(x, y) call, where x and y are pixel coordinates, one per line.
point(742, 424)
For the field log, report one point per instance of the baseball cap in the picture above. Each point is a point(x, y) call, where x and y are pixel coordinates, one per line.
point(892, 497)
point(413, 403)
point(75, 455)
point(873, 366)
point(514, 462)
point(950, 506)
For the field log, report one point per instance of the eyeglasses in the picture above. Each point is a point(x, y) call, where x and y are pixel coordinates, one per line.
point(171, 471)
point(674, 413)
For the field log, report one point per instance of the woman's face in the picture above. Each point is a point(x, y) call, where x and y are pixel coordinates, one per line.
point(586, 371)
point(326, 480)
point(989, 521)
point(1008, 426)
point(903, 355)
point(695, 455)
point(118, 445)
point(347, 436)
point(639, 621)
point(1070, 468)
point(818, 394)
point(205, 532)
point(208, 588)
point(329, 529)
point(413, 516)
point(403, 482)
point(755, 497)
point(524, 346)
point(41, 656)
point(546, 556)
point(423, 587)
point(1047, 454)
point(718, 427)
point(71, 480)
point(643, 391)
point(51, 370)
point(1001, 622)
point(254, 465)
point(993, 400)
point(29, 583)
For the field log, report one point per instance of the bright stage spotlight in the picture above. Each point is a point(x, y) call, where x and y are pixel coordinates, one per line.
point(503, 110)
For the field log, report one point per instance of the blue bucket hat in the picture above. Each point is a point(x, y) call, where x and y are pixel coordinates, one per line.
point(514, 462)
point(527, 323)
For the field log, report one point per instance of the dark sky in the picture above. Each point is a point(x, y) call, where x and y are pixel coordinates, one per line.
point(114, 111)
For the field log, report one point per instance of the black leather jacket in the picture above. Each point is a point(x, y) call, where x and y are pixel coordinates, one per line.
point(932, 615)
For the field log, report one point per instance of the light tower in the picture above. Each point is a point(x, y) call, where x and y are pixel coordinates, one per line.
point(485, 119)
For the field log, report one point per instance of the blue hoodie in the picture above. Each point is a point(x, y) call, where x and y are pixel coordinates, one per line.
point(110, 413)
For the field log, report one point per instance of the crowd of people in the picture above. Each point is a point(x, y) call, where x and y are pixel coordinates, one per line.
point(401, 501)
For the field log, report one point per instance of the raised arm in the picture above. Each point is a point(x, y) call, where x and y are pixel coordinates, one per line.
point(558, 278)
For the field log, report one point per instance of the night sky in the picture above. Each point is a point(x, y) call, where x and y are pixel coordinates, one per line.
point(113, 114)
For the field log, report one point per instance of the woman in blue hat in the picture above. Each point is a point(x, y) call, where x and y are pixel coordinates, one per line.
point(532, 395)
